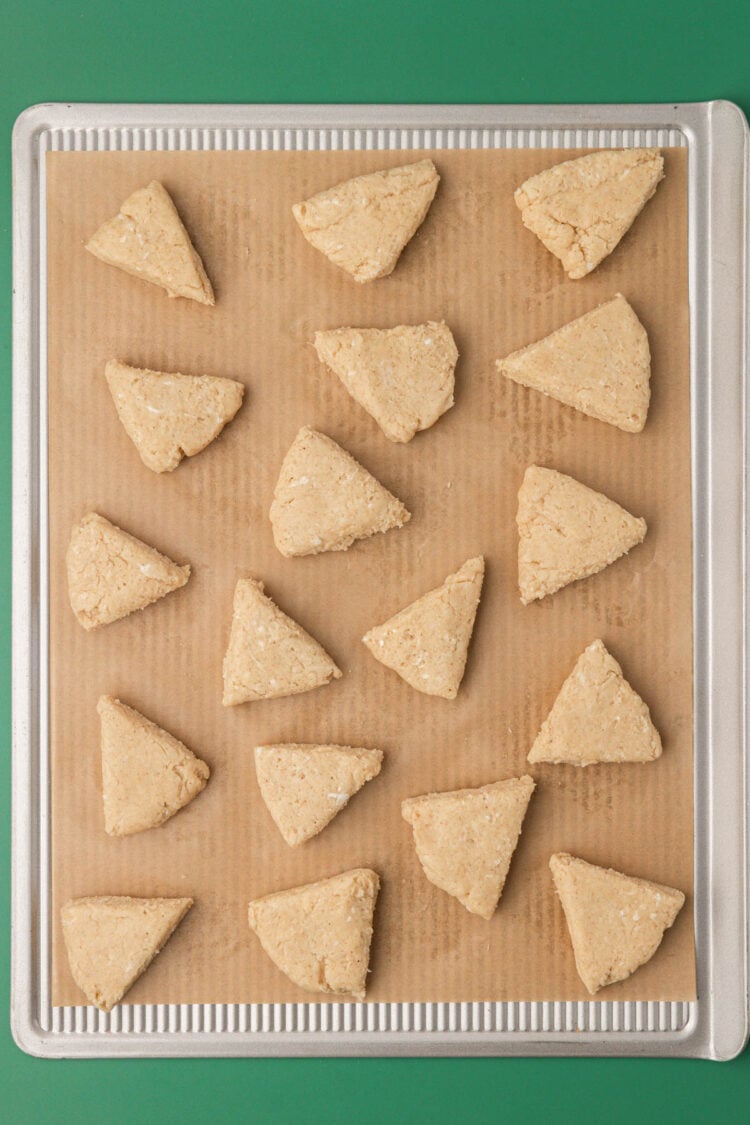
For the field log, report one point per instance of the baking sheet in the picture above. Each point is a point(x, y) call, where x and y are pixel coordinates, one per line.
point(474, 265)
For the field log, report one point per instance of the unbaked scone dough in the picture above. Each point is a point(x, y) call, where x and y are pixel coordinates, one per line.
point(111, 573)
point(147, 239)
point(599, 364)
point(567, 531)
point(580, 209)
point(616, 922)
point(305, 786)
point(147, 774)
point(319, 934)
point(324, 500)
point(597, 717)
point(427, 642)
point(465, 839)
point(168, 416)
point(362, 225)
point(402, 376)
point(269, 655)
point(112, 940)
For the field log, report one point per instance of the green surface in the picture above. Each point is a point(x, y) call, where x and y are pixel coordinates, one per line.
point(384, 50)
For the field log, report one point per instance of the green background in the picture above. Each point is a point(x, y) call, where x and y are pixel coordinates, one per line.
point(358, 51)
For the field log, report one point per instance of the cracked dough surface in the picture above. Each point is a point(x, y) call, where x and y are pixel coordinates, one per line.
point(580, 209)
point(319, 934)
point(169, 416)
point(363, 224)
point(111, 573)
point(148, 240)
point(402, 376)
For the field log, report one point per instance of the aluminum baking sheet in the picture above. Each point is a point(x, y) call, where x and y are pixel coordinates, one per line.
point(715, 1025)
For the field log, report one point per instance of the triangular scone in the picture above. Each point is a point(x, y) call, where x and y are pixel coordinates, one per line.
point(305, 786)
point(597, 717)
point(600, 364)
point(171, 416)
point(402, 376)
point(324, 499)
point(111, 940)
point(320, 934)
point(567, 531)
point(428, 641)
point(581, 209)
point(111, 573)
point(363, 224)
point(465, 840)
point(147, 774)
point(269, 655)
point(147, 239)
point(616, 922)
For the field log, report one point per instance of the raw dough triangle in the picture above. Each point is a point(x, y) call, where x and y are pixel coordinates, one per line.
point(567, 531)
point(147, 239)
point(616, 922)
point(465, 840)
point(147, 774)
point(305, 786)
point(363, 224)
point(170, 416)
point(581, 209)
point(319, 934)
point(269, 655)
point(428, 641)
point(599, 364)
point(111, 573)
point(597, 717)
point(111, 940)
point(402, 376)
point(324, 499)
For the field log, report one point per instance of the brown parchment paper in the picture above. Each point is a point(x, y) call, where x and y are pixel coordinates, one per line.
point(473, 264)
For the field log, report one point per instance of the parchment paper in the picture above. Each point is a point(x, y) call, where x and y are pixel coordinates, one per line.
point(474, 265)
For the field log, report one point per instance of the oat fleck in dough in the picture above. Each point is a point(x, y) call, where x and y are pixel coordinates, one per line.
point(362, 225)
point(567, 531)
point(580, 209)
point(147, 774)
point(597, 717)
point(599, 364)
point(324, 500)
point(147, 239)
point(465, 840)
point(305, 786)
point(427, 642)
point(319, 935)
point(112, 940)
point(111, 573)
point(616, 922)
point(269, 654)
point(169, 416)
point(402, 376)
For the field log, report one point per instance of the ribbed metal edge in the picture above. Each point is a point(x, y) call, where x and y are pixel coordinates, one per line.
point(222, 139)
point(534, 1017)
